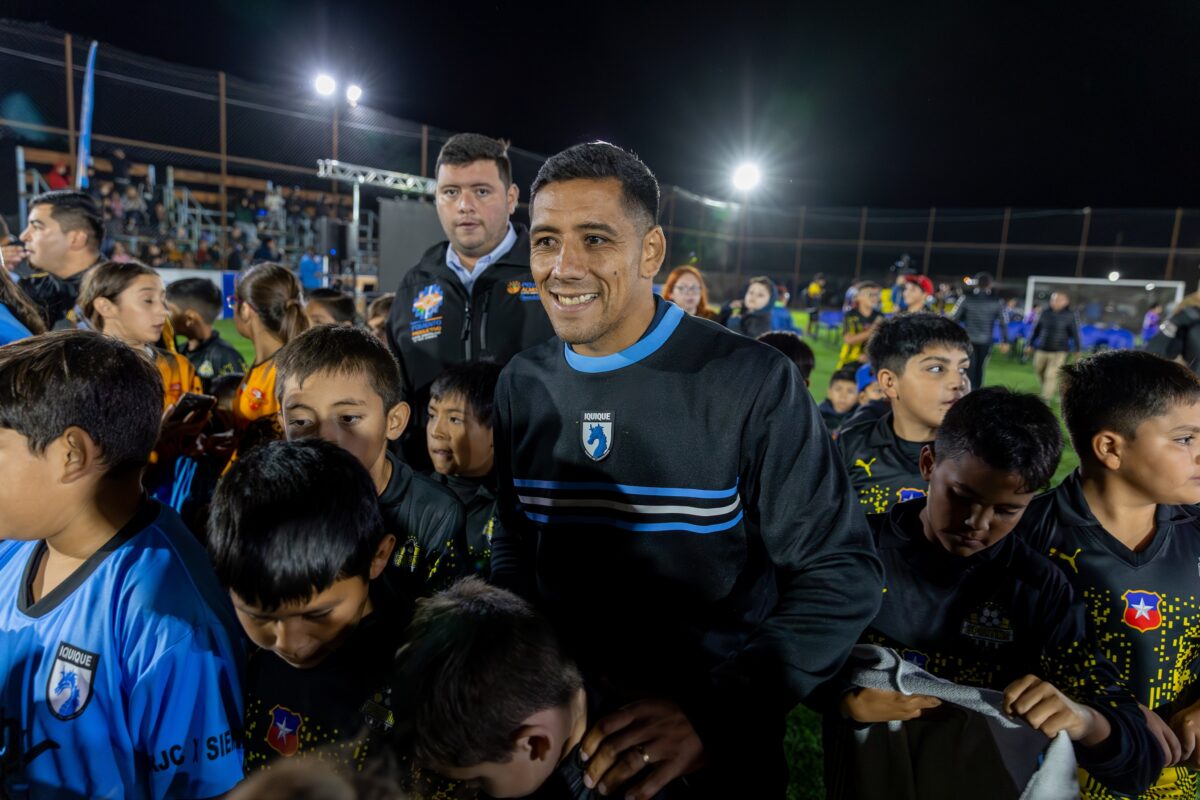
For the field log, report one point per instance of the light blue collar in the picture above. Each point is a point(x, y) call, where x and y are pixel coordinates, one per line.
point(640, 349)
point(468, 277)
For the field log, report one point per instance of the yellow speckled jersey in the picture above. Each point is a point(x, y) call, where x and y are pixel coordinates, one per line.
point(1144, 607)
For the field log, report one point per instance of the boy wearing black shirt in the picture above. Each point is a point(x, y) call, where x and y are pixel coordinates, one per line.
point(920, 361)
point(975, 606)
point(195, 304)
point(840, 399)
point(343, 385)
point(1124, 530)
point(459, 436)
point(296, 537)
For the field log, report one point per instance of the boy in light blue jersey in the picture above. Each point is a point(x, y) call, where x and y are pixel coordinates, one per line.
point(121, 658)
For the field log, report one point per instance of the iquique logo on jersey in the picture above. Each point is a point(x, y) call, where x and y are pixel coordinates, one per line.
point(596, 434)
point(69, 687)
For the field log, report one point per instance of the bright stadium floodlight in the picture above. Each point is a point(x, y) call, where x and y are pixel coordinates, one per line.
point(746, 177)
point(1114, 276)
point(353, 94)
point(325, 85)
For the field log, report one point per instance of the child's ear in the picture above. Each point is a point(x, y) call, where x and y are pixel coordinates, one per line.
point(77, 453)
point(1108, 447)
point(397, 419)
point(888, 381)
point(105, 308)
point(925, 461)
point(383, 554)
point(532, 743)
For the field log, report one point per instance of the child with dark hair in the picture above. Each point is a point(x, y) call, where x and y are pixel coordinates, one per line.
point(795, 348)
point(920, 363)
point(475, 641)
point(459, 435)
point(329, 307)
point(859, 323)
point(1123, 529)
point(296, 537)
point(121, 657)
point(195, 304)
point(752, 314)
point(343, 385)
point(973, 605)
point(840, 399)
point(377, 315)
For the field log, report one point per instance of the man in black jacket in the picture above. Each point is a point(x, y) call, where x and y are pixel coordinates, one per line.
point(1054, 336)
point(62, 243)
point(980, 312)
point(703, 556)
point(472, 296)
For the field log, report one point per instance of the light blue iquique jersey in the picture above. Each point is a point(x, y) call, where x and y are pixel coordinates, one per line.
point(126, 678)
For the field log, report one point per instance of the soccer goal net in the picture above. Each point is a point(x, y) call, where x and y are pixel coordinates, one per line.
point(1112, 303)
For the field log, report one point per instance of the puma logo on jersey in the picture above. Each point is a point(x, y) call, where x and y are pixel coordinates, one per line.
point(866, 465)
point(1070, 559)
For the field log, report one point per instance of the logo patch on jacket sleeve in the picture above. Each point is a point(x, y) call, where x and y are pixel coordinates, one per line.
point(69, 687)
point(596, 434)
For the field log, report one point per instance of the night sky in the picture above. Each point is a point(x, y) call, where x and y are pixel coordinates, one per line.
point(950, 104)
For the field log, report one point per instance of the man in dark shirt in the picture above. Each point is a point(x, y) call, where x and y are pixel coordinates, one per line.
point(471, 296)
point(980, 312)
point(62, 242)
point(1055, 335)
point(711, 564)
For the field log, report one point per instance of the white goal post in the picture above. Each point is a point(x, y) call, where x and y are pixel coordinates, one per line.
point(1121, 302)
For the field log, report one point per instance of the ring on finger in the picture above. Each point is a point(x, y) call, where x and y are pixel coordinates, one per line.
point(642, 751)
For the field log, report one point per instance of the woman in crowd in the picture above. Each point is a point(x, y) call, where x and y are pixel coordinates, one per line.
point(685, 288)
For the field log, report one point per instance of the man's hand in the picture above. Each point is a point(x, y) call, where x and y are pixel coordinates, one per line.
point(1050, 711)
point(884, 705)
point(653, 737)
point(1186, 727)
point(1166, 738)
point(1004, 348)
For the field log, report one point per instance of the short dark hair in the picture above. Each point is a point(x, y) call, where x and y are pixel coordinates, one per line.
point(225, 385)
point(340, 351)
point(339, 304)
point(793, 347)
point(476, 382)
point(1119, 390)
point(477, 662)
point(863, 285)
point(1009, 431)
point(73, 211)
point(896, 340)
point(291, 518)
point(467, 148)
point(197, 294)
point(82, 378)
point(850, 375)
point(600, 160)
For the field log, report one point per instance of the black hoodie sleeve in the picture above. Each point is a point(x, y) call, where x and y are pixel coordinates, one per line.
point(513, 541)
point(829, 579)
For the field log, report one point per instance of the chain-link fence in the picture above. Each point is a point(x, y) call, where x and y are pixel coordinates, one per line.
point(222, 136)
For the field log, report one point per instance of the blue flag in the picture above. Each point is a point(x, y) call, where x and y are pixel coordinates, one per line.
point(85, 120)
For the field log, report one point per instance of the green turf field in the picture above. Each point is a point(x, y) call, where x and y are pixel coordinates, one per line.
point(803, 741)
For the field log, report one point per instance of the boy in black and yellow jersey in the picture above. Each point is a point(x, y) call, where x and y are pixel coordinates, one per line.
point(343, 385)
point(858, 324)
point(459, 435)
point(973, 605)
point(296, 538)
point(1125, 531)
point(920, 362)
